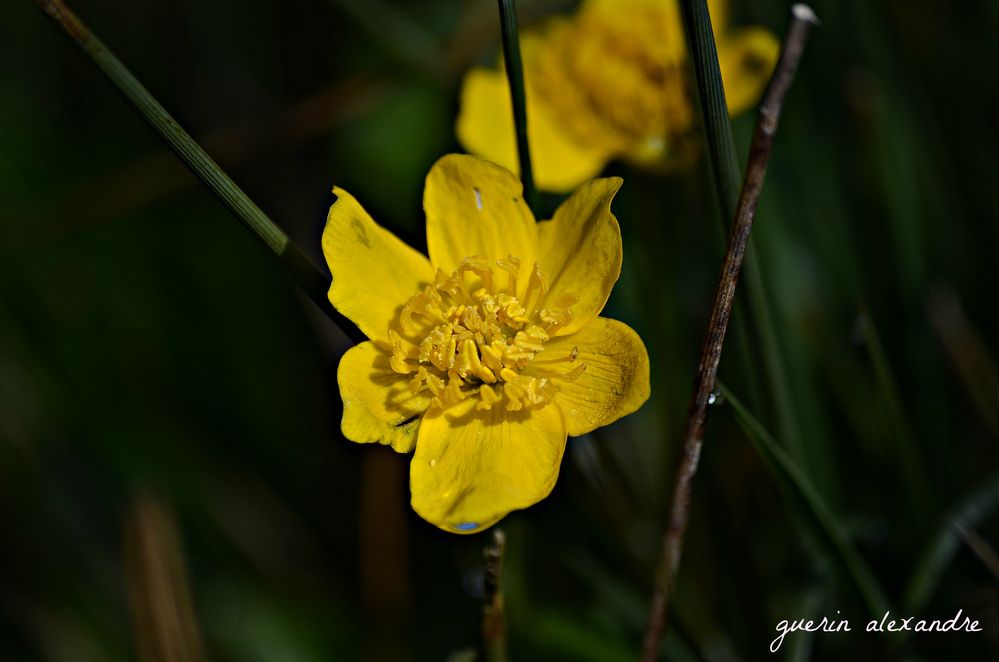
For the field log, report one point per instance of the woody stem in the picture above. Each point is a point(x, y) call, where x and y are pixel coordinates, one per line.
point(802, 18)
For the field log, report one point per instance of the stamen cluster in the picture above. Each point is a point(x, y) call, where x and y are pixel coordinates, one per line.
point(463, 336)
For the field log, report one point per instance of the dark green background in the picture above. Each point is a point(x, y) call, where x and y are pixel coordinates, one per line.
point(150, 348)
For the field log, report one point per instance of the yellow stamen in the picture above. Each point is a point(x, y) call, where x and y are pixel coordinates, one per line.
point(478, 341)
point(511, 265)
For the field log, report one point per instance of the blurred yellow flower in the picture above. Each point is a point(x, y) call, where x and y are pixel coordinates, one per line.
point(484, 357)
point(609, 82)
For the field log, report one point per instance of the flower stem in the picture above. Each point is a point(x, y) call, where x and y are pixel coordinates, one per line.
point(802, 18)
point(515, 75)
point(493, 622)
point(300, 268)
point(727, 175)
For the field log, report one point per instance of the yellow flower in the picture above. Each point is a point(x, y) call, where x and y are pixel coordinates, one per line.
point(484, 357)
point(609, 82)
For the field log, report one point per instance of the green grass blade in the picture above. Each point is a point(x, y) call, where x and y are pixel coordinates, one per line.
point(515, 75)
point(936, 558)
point(303, 272)
point(919, 488)
point(809, 606)
point(400, 34)
point(714, 108)
point(728, 178)
point(969, 353)
point(831, 532)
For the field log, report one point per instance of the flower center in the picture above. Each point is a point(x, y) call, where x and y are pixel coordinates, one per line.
point(628, 69)
point(465, 336)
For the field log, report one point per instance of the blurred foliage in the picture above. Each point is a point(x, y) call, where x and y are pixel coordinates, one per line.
point(152, 353)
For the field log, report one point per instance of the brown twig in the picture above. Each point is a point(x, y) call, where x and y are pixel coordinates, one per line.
point(493, 625)
point(166, 629)
point(802, 19)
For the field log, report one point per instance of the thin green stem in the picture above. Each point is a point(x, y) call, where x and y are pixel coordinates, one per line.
point(300, 268)
point(515, 74)
point(728, 177)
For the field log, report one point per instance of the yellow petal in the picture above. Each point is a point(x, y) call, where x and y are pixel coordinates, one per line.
point(653, 26)
point(378, 406)
point(374, 272)
point(616, 7)
point(580, 250)
point(747, 58)
point(485, 127)
point(472, 467)
point(485, 119)
point(616, 379)
point(718, 10)
point(475, 207)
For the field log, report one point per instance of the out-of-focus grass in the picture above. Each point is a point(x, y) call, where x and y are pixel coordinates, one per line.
point(211, 383)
